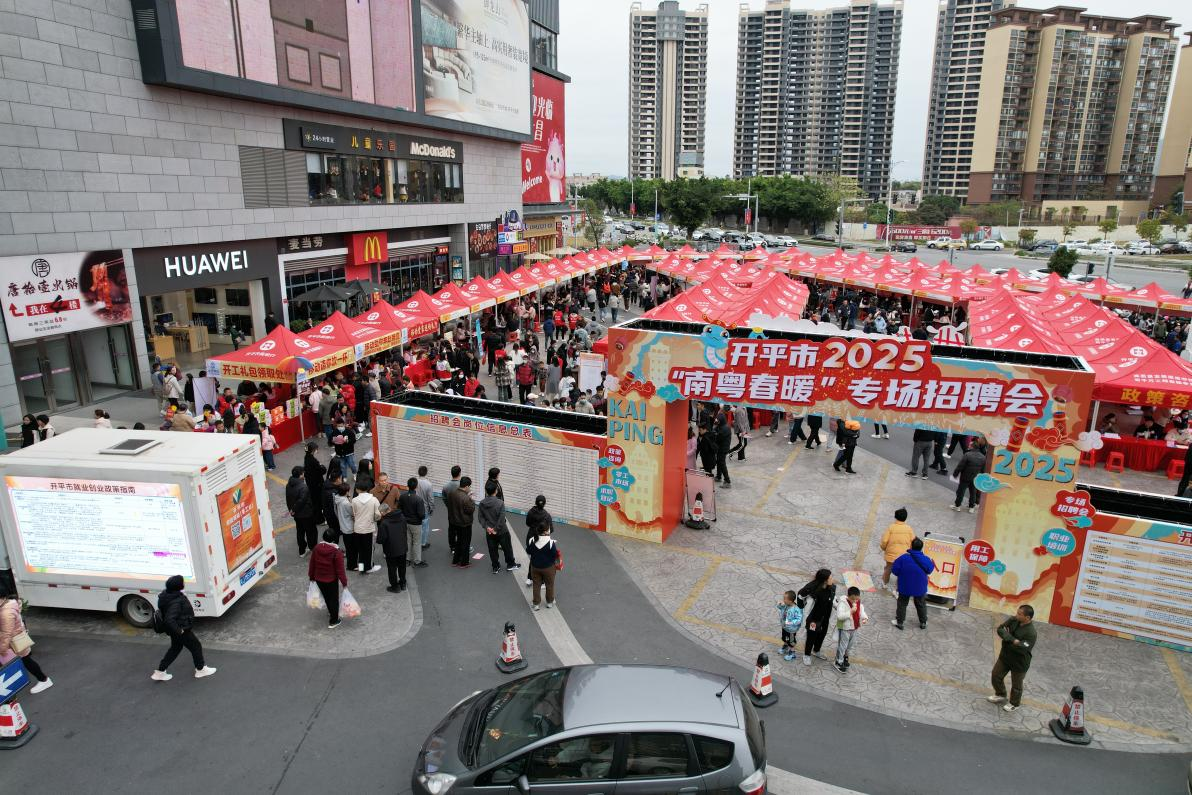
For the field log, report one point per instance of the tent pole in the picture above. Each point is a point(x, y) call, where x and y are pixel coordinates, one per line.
point(1095, 415)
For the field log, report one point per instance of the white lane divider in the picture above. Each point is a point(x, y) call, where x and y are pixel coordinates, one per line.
point(569, 651)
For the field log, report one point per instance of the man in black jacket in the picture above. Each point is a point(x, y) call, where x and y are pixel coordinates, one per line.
point(178, 617)
point(971, 464)
point(461, 509)
point(496, 531)
point(924, 443)
point(394, 541)
point(315, 475)
point(413, 511)
point(301, 507)
point(724, 441)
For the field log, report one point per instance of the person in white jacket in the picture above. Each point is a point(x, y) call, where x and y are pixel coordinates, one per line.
point(366, 512)
point(850, 616)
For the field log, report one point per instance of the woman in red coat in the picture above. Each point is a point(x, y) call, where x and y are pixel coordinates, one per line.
point(326, 570)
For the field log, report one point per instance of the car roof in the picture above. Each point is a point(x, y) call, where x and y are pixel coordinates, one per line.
point(604, 694)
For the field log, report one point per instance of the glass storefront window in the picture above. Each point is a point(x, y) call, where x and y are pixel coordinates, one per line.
point(327, 179)
point(407, 275)
point(299, 283)
point(426, 182)
point(355, 179)
point(370, 180)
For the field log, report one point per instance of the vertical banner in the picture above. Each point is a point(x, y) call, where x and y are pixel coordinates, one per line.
point(544, 164)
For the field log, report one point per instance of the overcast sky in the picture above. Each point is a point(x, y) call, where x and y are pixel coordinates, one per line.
point(594, 51)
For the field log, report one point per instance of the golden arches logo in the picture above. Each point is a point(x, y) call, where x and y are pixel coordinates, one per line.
point(372, 249)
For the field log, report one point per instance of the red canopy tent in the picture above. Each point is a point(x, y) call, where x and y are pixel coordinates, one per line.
point(278, 357)
point(478, 294)
point(385, 317)
point(340, 331)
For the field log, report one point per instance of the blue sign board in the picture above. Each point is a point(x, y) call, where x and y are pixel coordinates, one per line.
point(13, 679)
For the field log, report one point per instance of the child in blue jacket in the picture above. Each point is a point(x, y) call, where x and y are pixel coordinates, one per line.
point(791, 616)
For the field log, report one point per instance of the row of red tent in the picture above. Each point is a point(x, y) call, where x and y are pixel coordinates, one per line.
point(942, 283)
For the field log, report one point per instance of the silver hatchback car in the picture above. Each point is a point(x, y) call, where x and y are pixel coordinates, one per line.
point(599, 730)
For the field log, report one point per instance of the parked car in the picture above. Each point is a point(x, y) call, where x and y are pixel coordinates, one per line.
point(904, 245)
point(1085, 278)
point(987, 245)
point(1141, 248)
point(1039, 274)
point(785, 240)
point(1106, 247)
point(1047, 248)
point(1183, 247)
point(825, 238)
point(945, 242)
point(656, 729)
point(1076, 245)
point(1046, 242)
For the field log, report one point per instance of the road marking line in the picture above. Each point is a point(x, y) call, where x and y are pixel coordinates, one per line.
point(282, 528)
point(554, 627)
point(697, 589)
point(1177, 673)
point(275, 478)
point(871, 520)
point(936, 680)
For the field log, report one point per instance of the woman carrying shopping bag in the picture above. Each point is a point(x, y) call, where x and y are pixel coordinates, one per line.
point(15, 642)
point(326, 570)
point(545, 561)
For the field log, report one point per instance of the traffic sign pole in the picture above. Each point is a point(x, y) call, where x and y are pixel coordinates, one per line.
point(15, 729)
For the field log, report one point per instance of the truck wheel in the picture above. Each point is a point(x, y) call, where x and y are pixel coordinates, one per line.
point(137, 611)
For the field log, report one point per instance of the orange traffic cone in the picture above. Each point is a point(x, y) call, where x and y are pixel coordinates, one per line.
point(1069, 726)
point(511, 660)
point(761, 689)
point(15, 728)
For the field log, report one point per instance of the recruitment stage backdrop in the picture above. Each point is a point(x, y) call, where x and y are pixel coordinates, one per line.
point(1030, 408)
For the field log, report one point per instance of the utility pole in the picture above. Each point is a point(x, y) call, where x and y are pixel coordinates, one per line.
point(656, 218)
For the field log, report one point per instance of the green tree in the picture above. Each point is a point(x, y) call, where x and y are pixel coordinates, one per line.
point(812, 203)
point(1026, 236)
point(968, 227)
point(1150, 229)
point(1069, 228)
point(1107, 227)
point(1062, 261)
point(936, 210)
point(689, 202)
point(1178, 222)
point(593, 220)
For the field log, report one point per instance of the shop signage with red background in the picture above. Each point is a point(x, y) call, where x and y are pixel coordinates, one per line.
point(366, 248)
point(544, 165)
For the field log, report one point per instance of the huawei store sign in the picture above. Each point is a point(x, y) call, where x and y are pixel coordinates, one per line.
point(366, 248)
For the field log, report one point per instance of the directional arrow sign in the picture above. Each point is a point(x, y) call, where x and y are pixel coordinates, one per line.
point(13, 679)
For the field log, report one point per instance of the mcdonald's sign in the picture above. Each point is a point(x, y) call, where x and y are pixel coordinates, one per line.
point(365, 248)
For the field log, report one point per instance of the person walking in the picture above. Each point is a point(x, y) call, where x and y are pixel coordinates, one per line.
point(1018, 636)
point(847, 439)
point(461, 510)
point(426, 490)
point(344, 440)
point(924, 440)
point(912, 569)
point(938, 445)
point(366, 511)
point(326, 570)
point(850, 617)
point(345, 518)
point(12, 626)
point(496, 528)
point(741, 429)
point(29, 435)
point(895, 542)
point(413, 509)
point(705, 446)
point(797, 433)
point(724, 441)
point(545, 558)
point(537, 518)
point(301, 507)
point(395, 544)
point(178, 617)
point(881, 430)
point(814, 423)
point(971, 464)
point(816, 598)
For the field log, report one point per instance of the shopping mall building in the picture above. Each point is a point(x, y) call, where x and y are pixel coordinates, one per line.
point(174, 171)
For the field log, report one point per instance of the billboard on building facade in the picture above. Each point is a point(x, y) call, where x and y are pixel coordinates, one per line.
point(362, 50)
point(544, 165)
point(476, 62)
point(60, 293)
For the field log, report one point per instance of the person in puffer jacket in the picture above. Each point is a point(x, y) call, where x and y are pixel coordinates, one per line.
point(327, 571)
point(544, 556)
point(179, 617)
point(971, 464)
point(912, 570)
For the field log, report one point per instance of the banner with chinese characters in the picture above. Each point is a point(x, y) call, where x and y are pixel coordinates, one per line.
point(60, 293)
point(1032, 417)
point(544, 168)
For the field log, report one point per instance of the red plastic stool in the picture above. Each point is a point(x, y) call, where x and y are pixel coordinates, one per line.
point(1116, 462)
point(1175, 469)
point(1088, 458)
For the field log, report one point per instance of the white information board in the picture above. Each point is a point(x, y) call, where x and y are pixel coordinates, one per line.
point(1135, 585)
point(100, 528)
point(567, 475)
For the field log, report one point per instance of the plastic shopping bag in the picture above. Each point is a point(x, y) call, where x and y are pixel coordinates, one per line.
point(314, 597)
point(348, 606)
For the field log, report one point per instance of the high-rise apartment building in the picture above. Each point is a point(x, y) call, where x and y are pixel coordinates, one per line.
point(815, 91)
point(1070, 109)
point(1175, 162)
point(668, 86)
point(955, 84)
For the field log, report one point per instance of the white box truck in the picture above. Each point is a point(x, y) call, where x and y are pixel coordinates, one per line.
point(97, 519)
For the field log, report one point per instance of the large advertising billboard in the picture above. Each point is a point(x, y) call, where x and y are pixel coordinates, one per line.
point(59, 293)
point(360, 50)
point(544, 163)
point(476, 62)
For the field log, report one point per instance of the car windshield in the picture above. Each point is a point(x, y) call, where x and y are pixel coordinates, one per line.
point(517, 714)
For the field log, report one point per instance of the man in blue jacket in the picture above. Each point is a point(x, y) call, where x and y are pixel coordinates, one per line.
point(911, 568)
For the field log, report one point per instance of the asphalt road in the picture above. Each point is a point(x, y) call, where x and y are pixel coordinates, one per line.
point(293, 725)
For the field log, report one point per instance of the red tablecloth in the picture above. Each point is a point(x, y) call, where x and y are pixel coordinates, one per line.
point(289, 432)
point(420, 372)
point(1146, 455)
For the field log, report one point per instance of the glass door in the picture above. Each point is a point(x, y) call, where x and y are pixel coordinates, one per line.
point(45, 375)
